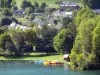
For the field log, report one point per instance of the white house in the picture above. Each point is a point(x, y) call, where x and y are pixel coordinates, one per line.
point(71, 5)
point(14, 25)
point(97, 11)
point(62, 13)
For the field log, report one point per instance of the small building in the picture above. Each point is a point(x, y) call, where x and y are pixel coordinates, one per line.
point(38, 14)
point(70, 5)
point(39, 22)
point(18, 12)
point(66, 57)
point(14, 25)
point(97, 11)
point(59, 13)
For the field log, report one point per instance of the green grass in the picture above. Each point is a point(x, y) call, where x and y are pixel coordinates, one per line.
point(51, 3)
point(21, 19)
point(53, 57)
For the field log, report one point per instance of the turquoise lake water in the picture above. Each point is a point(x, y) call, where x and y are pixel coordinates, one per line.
point(26, 68)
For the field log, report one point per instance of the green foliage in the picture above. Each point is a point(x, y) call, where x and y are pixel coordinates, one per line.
point(66, 21)
point(86, 22)
point(84, 14)
point(26, 4)
point(36, 4)
point(29, 10)
point(13, 3)
point(59, 41)
point(31, 17)
point(7, 12)
point(6, 43)
point(7, 3)
point(96, 42)
point(1, 3)
point(31, 37)
point(43, 5)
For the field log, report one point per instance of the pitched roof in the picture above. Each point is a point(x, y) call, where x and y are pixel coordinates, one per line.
point(68, 4)
point(39, 21)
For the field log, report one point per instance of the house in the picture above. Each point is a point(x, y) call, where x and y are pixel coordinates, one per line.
point(66, 57)
point(18, 12)
point(59, 13)
point(14, 25)
point(38, 14)
point(70, 5)
point(97, 11)
point(39, 22)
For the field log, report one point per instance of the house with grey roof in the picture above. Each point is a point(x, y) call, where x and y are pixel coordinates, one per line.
point(70, 5)
point(62, 13)
point(39, 22)
point(97, 11)
point(14, 25)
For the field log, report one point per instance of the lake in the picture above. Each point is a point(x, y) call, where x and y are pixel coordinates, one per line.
point(26, 68)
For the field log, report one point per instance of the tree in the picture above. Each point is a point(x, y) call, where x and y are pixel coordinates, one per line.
point(66, 21)
point(26, 4)
point(7, 3)
point(7, 12)
point(14, 8)
point(31, 36)
point(43, 5)
point(19, 41)
point(36, 4)
point(59, 41)
point(96, 42)
point(6, 43)
point(1, 3)
point(31, 17)
point(13, 3)
point(29, 10)
point(84, 41)
point(84, 13)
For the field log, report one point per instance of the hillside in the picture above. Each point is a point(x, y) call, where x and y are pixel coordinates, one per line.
point(51, 3)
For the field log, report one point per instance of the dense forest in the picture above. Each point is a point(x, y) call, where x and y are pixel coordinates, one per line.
point(78, 36)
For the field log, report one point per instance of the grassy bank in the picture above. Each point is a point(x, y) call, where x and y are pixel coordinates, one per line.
point(51, 57)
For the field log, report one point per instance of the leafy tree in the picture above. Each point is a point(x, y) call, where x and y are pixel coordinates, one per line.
point(43, 5)
point(13, 3)
point(96, 42)
point(1, 3)
point(83, 48)
point(31, 17)
point(59, 41)
point(26, 4)
point(7, 12)
point(36, 4)
point(19, 41)
point(29, 10)
point(14, 8)
point(85, 2)
point(5, 21)
point(6, 43)
point(31, 36)
point(7, 3)
point(84, 13)
point(66, 21)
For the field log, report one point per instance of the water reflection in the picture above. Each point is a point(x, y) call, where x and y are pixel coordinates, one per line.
point(26, 68)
